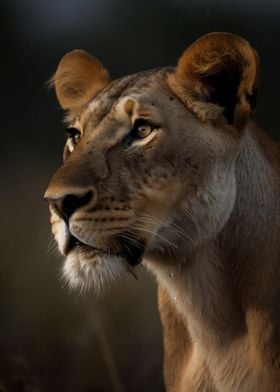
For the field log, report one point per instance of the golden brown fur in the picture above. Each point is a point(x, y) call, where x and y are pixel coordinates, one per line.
point(166, 168)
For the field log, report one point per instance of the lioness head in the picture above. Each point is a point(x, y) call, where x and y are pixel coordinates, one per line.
point(149, 158)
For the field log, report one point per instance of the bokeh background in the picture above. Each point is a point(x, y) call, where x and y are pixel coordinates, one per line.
point(52, 339)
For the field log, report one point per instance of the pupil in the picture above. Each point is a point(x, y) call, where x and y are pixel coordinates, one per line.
point(143, 130)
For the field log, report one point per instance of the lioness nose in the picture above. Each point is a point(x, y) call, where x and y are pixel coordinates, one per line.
point(66, 205)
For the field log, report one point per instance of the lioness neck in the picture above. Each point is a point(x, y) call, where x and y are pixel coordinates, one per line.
point(221, 290)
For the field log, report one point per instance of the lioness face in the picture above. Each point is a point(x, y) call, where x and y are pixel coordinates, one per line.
point(142, 173)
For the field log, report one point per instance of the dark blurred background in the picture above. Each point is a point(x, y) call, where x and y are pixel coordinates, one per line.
point(50, 338)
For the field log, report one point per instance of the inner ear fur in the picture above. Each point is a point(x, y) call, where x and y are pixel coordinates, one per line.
point(78, 79)
point(218, 76)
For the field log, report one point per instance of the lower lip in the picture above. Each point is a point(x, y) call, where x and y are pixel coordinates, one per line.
point(133, 261)
point(84, 247)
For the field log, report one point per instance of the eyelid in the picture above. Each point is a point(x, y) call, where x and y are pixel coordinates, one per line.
point(145, 121)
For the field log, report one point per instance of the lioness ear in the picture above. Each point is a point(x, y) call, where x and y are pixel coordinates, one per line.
point(79, 77)
point(218, 74)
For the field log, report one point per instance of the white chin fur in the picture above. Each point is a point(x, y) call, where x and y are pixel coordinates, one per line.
point(97, 272)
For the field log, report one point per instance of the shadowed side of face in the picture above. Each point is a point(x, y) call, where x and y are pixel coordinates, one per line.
point(140, 153)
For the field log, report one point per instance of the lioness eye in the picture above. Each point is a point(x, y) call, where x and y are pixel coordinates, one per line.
point(74, 134)
point(143, 130)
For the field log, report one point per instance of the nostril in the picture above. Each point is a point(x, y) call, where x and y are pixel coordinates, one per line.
point(68, 204)
point(71, 203)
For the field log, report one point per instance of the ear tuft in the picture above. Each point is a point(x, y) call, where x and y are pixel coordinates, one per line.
point(220, 69)
point(78, 79)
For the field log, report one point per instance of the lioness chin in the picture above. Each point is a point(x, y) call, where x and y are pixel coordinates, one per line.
point(165, 168)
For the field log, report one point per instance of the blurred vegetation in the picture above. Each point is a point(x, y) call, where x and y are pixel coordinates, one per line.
point(52, 339)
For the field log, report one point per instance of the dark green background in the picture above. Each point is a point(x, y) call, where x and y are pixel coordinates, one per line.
point(49, 338)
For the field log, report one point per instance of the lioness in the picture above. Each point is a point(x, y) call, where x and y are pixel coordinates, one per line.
point(166, 168)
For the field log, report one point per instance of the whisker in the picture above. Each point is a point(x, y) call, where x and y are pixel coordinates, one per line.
point(194, 221)
point(160, 237)
point(132, 239)
point(170, 225)
point(52, 247)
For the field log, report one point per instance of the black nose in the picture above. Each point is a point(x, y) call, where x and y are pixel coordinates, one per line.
point(66, 205)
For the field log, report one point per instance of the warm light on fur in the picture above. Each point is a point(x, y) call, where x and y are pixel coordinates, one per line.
point(195, 197)
point(74, 91)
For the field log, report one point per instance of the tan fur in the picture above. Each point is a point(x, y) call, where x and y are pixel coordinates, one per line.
point(208, 56)
point(72, 91)
point(197, 200)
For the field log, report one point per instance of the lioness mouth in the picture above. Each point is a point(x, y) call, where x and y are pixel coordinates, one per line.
point(73, 242)
point(131, 253)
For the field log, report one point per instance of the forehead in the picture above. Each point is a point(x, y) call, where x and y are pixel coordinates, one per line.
point(141, 85)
